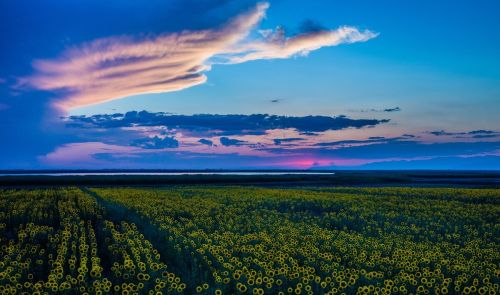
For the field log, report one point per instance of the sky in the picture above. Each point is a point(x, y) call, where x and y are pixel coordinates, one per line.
point(277, 84)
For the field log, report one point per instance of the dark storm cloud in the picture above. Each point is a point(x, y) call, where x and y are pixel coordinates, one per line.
point(156, 142)
point(222, 124)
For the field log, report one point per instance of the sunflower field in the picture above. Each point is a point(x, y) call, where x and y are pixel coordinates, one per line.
point(249, 240)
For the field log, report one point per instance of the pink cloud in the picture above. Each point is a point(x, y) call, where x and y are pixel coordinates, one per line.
point(117, 67)
point(82, 154)
point(310, 162)
point(86, 155)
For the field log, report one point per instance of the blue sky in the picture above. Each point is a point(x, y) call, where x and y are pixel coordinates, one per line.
point(339, 81)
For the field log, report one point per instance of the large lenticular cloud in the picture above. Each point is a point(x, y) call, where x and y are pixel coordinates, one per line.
point(117, 67)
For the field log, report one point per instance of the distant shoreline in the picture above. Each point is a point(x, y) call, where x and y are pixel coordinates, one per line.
point(131, 173)
point(4, 172)
point(473, 179)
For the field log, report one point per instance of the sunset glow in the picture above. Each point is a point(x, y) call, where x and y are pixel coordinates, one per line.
point(249, 85)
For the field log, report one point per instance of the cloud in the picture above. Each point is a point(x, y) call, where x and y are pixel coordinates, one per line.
point(116, 67)
point(386, 110)
point(226, 141)
point(401, 149)
point(396, 109)
point(402, 155)
point(275, 100)
point(206, 142)
point(156, 142)
point(484, 136)
point(482, 132)
point(146, 145)
point(276, 45)
point(470, 134)
point(279, 141)
point(438, 163)
point(308, 133)
point(352, 142)
point(213, 124)
point(82, 154)
point(444, 133)
point(388, 155)
point(99, 155)
point(270, 140)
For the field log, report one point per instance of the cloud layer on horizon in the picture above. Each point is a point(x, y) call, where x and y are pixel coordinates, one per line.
point(144, 139)
point(382, 155)
point(117, 67)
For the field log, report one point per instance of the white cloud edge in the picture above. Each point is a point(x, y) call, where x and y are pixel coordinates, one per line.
point(117, 67)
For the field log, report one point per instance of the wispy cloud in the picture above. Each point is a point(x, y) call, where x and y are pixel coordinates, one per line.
point(386, 110)
point(470, 134)
point(83, 154)
point(275, 44)
point(357, 142)
point(117, 67)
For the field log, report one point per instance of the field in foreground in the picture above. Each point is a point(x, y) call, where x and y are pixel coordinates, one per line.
point(225, 240)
